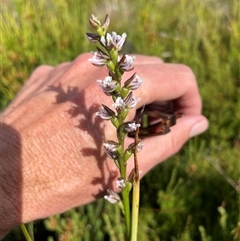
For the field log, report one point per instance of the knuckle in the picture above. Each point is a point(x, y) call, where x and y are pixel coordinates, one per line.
point(81, 64)
point(41, 70)
point(175, 144)
point(187, 73)
point(82, 59)
point(157, 59)
point(144, 59)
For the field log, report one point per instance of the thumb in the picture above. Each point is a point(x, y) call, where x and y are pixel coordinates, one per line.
point(200, 125)
point(158, 148)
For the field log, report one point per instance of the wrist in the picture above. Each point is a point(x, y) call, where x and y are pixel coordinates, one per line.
point(10, 179)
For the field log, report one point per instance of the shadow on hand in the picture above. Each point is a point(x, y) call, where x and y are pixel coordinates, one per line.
point(91, 124)
point(11, 179)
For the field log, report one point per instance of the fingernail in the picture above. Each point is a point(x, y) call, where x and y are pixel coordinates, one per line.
point(199, 128)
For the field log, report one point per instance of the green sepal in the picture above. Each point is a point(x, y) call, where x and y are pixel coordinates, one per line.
point(100, 31)
point(114, 55)
point(120, 204)
point(124, 92)
point(111, 66)
point(124, 113)
point(128, 187)
point(117, 163)
point(121, 133)
point(127, 154)
point(115, 121)
point(120, 150)
point(117, 90)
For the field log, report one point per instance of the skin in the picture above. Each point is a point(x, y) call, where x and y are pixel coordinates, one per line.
point(51, 155)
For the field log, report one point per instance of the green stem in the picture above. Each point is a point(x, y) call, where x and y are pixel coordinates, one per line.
point(123, 168)
point(30, 228)
point(126, 204)
point(25, 232)
point(135, 208)
point(136, 192)
point(125, 194)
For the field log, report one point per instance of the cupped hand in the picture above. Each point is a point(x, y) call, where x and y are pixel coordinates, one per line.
point(62, 164)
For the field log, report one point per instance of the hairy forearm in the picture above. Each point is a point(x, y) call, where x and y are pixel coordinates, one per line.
point(10, 179)
point(8, 209)
point(44, 172)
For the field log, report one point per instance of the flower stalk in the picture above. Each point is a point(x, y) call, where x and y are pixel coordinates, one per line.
point(107, 54)
point(136, 191)
point(25, 232)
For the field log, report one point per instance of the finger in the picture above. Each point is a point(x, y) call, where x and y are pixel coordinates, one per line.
point(143, 60)
point(159, 148)
point(81, 72)
point(30, 87)
point(42, 78)
point(81, 69)
point(35, 80)
point(169, 82)
point(56, 73)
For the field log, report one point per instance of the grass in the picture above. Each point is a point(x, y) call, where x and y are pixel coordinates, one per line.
point(186, 198)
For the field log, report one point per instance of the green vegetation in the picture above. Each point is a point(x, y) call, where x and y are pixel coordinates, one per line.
point(186, 198)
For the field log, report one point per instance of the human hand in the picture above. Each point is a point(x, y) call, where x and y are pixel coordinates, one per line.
point(53, 140)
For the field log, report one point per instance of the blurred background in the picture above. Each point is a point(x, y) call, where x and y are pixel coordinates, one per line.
point(195, 194)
